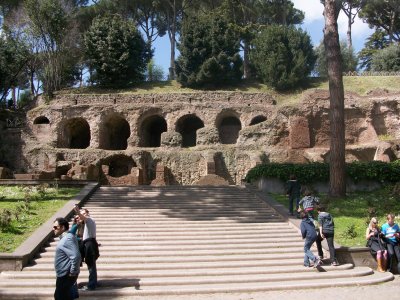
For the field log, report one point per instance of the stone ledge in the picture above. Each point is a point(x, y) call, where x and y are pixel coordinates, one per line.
point(31, 246)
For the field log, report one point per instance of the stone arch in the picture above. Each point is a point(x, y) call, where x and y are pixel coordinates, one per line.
point(119, 165)
point(229, 125)
point(151, 129)
point(74, 134)
point(114, 133)
point(187, 126)
point(258, 120)
point(41, 120)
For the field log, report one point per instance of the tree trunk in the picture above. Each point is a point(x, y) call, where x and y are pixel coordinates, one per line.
point(349, 41)
point(337, 181)
point(172, 42)
point(246, 63)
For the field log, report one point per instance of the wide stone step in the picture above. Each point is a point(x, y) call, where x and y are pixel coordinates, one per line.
point(178, 265)
point(134, 288)
point(105, 274)
point(181, 253)
point(204, 280)
point(121, 241)
point(175, 247)
point(196, 258)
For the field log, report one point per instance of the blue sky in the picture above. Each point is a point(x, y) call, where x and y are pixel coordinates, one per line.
point(313, 24)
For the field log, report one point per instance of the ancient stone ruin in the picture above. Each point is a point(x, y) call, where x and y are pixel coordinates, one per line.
point(191, 138)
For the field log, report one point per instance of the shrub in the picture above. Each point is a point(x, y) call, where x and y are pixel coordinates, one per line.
point(314, 172)
point(283, 56)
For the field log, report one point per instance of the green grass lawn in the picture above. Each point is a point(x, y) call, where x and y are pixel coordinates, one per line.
point(26, 218)
point(352, 214)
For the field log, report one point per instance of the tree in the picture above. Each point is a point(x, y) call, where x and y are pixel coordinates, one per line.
point(378, 40)
point(283, 56)
point(53, 40)
point(209, 52)
point(154, 72)
point(387, 59)
point(249, 16)
point(348, 56)
point(13, 58)
point(337, 175)
point(384, 15)
point(351, 9)
point(116, 51)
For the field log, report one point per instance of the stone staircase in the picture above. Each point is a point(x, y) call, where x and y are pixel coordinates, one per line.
point(187, 240)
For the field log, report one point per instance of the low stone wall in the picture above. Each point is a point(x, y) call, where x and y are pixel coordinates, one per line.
point(27, 250)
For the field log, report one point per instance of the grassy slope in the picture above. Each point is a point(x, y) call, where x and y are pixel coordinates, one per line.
point(41, 209)
point(352, 214)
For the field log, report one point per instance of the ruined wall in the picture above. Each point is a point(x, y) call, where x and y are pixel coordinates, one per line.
point(186, 132)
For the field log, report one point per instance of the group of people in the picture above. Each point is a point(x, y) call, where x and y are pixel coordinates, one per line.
point(312, 231)
point(384, 242)
point(77, 244)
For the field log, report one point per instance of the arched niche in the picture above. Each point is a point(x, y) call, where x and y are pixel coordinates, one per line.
point(151, 129)
point(41, 120)
point(114, 133)
point(119, 165)
point(74, 134)
point(187, 126)
point(228, 129)
point(258, 120)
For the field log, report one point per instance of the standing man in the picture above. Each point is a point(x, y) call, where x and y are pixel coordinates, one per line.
point(293, 188)
point(90, 247)
point(66, 260)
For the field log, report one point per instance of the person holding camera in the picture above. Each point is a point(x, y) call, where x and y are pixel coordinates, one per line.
point(391, 231)
point(90, 247)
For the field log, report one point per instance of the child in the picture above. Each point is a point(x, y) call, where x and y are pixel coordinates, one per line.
point(309, 235)
point(293, 188)
point(309, 202)
point(327, 231)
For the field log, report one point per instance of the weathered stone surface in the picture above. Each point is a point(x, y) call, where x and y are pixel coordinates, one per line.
point(171, 139)
point(211, 179)
point(299, 133)
point(5, 173)
point(207, 136)
point(183, 131)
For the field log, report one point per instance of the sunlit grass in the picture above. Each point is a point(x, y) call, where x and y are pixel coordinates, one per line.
point(352, 214)
point(42, 206)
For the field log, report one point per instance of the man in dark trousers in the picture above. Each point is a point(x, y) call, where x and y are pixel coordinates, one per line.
point(66, 261)
point(90, 247)
point(293, 188)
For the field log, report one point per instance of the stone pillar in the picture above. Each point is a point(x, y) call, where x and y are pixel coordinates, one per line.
point(162, 177)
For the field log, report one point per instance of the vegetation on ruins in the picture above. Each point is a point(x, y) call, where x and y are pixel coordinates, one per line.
point(116, 52)
point(24, 209)
point(319, 172)
point(283, 56)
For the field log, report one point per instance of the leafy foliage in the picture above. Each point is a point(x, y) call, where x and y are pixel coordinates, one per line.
point(209, 53)
point(387, 59)
point(283, 56)
point(349, 59)
point(314, 172)
point(116, 51)
point(375, 42)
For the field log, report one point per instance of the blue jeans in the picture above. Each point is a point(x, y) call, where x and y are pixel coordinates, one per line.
point(92, 284)
point(308, 255)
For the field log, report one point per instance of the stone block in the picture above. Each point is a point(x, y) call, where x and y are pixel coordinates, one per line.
point(171, 139)
point(299, 136)
point(207, 136)
point(5, 173)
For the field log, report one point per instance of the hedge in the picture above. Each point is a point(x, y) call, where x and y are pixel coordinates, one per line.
point(316, 172)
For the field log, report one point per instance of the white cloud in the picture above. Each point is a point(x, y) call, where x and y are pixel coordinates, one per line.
point(312, 9)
